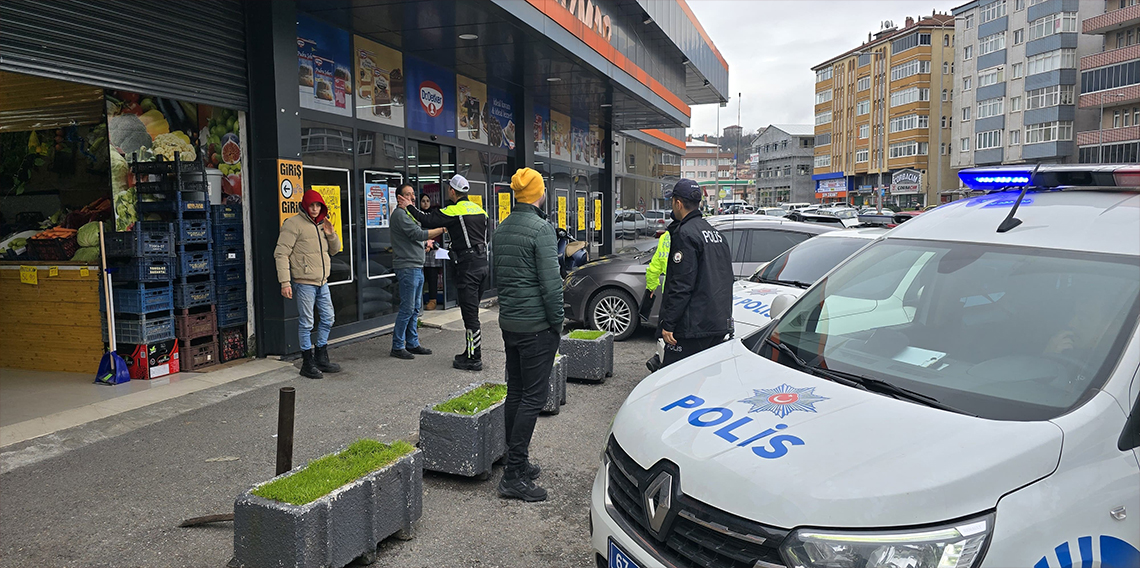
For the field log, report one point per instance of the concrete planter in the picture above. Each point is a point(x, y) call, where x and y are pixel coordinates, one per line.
point(463, 444)
point(334, 530)
point(588, 359)
point(556, 392)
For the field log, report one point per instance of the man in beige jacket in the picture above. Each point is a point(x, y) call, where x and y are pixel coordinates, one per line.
point(306, 242)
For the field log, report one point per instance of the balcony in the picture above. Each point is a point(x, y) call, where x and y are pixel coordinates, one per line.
point(1111, 97)
point(1108, 136)
point(1112, 21)
point(1110, 57)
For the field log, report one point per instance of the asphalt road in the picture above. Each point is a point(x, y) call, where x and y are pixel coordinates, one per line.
point(117, 501)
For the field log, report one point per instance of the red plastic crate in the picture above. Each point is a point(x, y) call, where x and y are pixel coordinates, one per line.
point(232, 343)
point(145, 362)
point(192, 323)
point(198, 353)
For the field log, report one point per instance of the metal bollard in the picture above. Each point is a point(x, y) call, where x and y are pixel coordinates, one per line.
point(285, 409)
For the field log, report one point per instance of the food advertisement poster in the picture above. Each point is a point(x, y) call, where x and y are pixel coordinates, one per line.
point(581, 213)
point(597, 214)
point(595, 146)
point(579, 130)
point(379, 83)
point(499, 119)
point(324, 61)
point(432, 105)
point(560, 136)
point(377, 214)
point(331, 194)
point(504, 205)
point(472, 95)
point(561, 211)
point(220, 144)
point(541, 131)
point(143, 128)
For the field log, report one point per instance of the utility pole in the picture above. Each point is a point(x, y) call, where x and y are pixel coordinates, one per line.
point(736, 158)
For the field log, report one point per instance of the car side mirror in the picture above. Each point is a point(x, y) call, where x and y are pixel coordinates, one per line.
point(780, 304)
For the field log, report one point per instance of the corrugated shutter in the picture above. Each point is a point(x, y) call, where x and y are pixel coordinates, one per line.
point(187, 50)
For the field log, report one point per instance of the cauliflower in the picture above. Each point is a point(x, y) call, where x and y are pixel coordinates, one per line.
point(166, 145)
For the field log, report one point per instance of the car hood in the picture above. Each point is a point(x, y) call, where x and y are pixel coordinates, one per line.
point(769, 443)
point(751, 303)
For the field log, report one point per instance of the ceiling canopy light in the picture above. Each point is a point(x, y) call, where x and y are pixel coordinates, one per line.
point(468, 36)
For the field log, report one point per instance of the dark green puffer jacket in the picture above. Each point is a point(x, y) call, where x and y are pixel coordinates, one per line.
point(525, 253)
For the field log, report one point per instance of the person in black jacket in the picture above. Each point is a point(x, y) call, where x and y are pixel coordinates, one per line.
point(696, 310)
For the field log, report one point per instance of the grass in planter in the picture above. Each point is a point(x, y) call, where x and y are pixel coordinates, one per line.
point(474, 401)
point(324, 475)
point(587, 334)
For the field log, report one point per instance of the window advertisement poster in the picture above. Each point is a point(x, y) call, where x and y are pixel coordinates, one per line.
point(472, 97)
point(504, 205)
point(560, 136)
point(581, 213)
point(219, 140)
point(377, 211)
point(325, 74)
point(597, 214)
point(432, 108)
point(541, 131)
point(380, 83)
point(476, 199)
point(562, 212)
point(594, 146)
point(499, 119)
point(579, 129)
point(331, 195)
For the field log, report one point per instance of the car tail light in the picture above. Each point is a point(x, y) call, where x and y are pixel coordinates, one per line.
point(1127, 176)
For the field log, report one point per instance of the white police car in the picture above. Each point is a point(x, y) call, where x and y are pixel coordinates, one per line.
point(962, 392)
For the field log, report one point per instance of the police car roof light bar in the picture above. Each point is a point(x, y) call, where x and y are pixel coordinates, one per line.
point(1051, 176)
point(1010, 221)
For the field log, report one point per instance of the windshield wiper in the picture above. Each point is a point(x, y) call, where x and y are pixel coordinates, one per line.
point(796, 283)
point(810, 369)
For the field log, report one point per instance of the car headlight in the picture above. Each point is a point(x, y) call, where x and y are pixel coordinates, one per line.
point(954, 546)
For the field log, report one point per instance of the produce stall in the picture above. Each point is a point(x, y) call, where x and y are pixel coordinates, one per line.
point(52, 322)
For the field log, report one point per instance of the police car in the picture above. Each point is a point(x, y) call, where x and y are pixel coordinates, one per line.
point(960, 392)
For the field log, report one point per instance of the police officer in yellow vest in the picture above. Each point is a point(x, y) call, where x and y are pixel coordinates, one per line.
point(466, 222)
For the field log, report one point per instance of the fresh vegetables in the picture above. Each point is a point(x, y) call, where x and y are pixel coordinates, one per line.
point(55, 233)
point(88, 235)
point(86, 254)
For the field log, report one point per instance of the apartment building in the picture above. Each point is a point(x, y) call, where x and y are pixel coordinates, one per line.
point(710, 168)
point(1110, 84)
point(876, 122)
point(1017, 86)
point(784, 156)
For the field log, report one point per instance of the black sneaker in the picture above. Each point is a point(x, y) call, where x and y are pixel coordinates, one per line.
point(401, 354)
point(466, 364)
point(521, 488)
point(419, 350)
point(653, 363)
point(533, 471)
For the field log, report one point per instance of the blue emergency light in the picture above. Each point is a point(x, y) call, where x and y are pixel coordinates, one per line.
point(994, 178)
point(1051, 176)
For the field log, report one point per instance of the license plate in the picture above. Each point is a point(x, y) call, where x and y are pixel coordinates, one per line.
point(618, 557)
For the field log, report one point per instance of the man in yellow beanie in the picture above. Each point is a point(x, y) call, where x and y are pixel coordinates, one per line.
point(530, 315)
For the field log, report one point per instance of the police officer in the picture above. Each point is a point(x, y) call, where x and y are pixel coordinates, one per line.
point(696, 311)
point(466, 222)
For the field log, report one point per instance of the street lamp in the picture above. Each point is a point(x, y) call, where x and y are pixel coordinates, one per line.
point(1100, 126)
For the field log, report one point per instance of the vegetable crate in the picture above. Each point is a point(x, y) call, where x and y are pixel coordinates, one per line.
point(192, 231)
point(195, 261)
point(192, 323)
point(163, 167)
point(198, 353)
point(59, 248)
point(142, 328)
point(226, 214)
point(145, 269)
point(140, 298)
point(232, 314)
point(231, 294)
point(227, 275)
point(229, 256)
point(232, 343)
point(193, 291)
point(148, 238)
point(151, 361)
point(227, 235)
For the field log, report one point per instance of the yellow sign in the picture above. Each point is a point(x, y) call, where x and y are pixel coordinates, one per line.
point(504, 205)
point(84, 272)
point(331, 195)
point(561, 211)
point(29, 275)
point(476, 199)
point(53, 271)
point(290, 187)
point(581, 213)
point(597, 214)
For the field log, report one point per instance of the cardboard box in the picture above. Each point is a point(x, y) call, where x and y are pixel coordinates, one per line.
point(151, 361)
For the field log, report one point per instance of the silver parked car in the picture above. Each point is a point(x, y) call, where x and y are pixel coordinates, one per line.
point(630, 224)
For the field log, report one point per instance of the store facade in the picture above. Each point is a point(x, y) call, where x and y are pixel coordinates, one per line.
point(351, 100)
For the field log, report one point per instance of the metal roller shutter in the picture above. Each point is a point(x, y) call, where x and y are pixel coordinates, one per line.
point(187, 50)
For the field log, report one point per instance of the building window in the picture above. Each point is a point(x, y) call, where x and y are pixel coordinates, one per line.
point(991, 107)
point(1116, 119)
point(1018, 70)
point(822, 75)
point(690, 162)
point(1018, 37)
point(967, 83)
point(1049, 132)
point(909, 42)
point(1052, 60)
point(862, 107)
point(909, 122)
point(965, 145)
point(992, 12)
point(823, 117)
point(968, 21)
point(1049, 97)
point(911, 95)
point(1060, 22)
point(965, 114)
point(822, 161)
point(864, 131)
point(863, 84)
point(823, 139)
point(992, 77)
point(945, 67)
point(862, 156)
point(823, 97)
point(1120, 75)
point(989, 139)
point(945, 95)
point(1018, 5)
point(968, 52)
point(906, 149)
point(946, 40)
point(943, 121)
point(802, 170)
point(1015, 104)
point(1014, 137)
point(992, 43)
point(910, 68)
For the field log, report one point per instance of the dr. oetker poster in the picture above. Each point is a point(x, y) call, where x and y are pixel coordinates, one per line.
point(324, 60)
point(380, 83)
point(432, 97)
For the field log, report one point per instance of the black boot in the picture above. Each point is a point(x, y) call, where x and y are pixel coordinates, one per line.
point(532, 470)
point(309, 367)
point(321, 358)
point(472, 357)
point(515, 486)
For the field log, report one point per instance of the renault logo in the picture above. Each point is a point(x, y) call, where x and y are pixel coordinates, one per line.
point(658, 500)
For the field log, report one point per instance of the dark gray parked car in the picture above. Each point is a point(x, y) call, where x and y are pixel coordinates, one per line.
point(605, 293)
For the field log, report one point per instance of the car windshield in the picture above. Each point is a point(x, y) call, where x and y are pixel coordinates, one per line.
point(1006, 333)
point(808, 261)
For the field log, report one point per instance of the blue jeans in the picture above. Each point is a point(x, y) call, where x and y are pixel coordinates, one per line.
point(411, 282)
point(308, 297)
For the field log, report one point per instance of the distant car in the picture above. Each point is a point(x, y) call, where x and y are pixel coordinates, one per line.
point(658, 219)
point(816, 218)
point(605, 293)
point(849, 215)
point(630, 224)
point(772, 211)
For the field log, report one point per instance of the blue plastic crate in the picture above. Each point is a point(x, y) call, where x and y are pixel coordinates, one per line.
point(145, 269)
point(230, 294)
point(192, 231)
point(194, 262)
point(139, 298)
point(143, 328)
point(232, 314)
point(229, 256)
point(226, 235)
point(225, 214)
point(148, 238)
point(191, 294)
point(225, 275)
point(175, 206)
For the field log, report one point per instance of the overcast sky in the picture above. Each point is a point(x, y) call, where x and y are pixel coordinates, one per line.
point(771, 46)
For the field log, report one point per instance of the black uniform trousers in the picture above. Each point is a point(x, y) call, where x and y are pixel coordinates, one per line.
point(471, 273)
point(530, 358)
point(689, 347)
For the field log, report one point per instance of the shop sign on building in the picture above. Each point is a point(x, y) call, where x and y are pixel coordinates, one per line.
point(433, 91)
point(906, 182)
point(590, 14)
point(831, 188)
point(290, 187)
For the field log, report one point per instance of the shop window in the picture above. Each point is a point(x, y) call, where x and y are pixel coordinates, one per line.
point(327, 152)
point(380, 158)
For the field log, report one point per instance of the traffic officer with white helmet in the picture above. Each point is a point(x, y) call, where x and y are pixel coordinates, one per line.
point(466, 222)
